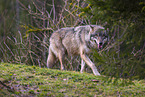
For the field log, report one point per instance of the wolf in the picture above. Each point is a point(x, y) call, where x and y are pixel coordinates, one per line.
point(73, 41)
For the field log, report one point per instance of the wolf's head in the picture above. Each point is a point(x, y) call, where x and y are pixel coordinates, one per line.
point(98, 36)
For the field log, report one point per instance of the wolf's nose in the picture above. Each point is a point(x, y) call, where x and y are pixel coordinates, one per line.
point(100, 43)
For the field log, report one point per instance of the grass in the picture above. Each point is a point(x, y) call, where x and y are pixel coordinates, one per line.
point(22, 80)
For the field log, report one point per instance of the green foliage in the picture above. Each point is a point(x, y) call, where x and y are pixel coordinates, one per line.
point(124, 55)
point(112, 10)
point(33, 29)
point(35, 81)
point(123, 66)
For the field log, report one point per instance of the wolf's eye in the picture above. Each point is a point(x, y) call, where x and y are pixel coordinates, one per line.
point(104, 35)
point(96, 34)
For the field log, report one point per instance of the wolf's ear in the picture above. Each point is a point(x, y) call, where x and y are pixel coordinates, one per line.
point(91, 29)
point(100, 27)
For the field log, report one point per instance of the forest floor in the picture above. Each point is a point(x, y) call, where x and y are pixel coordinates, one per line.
point(17, 80)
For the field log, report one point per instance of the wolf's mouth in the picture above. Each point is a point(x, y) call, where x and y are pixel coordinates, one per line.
point(99, 46)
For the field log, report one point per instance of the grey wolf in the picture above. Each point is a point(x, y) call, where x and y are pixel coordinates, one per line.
point(78, 40)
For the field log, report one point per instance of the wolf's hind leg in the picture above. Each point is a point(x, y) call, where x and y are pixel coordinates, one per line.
point(51, 59)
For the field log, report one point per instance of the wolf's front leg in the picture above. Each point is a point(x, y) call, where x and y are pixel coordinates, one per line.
point(82, 65)
point(90, 63)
